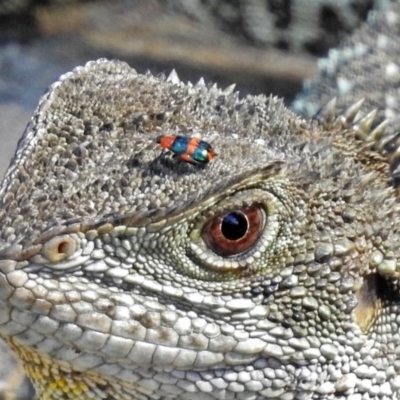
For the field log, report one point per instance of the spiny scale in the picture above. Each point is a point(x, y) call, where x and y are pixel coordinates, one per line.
point(378, 132)
point(351, 113)
point(173, 77)
point(229, 89)
point(328, 113)
point(388, 146)
point(363, 125)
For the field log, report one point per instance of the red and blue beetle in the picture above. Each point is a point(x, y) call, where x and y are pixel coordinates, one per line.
point(189, 149)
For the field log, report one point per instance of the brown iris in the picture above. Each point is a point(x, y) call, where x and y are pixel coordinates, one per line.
point(235, 232)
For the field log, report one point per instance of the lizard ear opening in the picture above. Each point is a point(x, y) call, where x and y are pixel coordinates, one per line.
point(370, 297)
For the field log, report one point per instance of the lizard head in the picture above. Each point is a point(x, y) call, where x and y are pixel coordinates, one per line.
point(270, 272)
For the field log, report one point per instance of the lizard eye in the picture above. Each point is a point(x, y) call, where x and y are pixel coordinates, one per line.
point(236, 231)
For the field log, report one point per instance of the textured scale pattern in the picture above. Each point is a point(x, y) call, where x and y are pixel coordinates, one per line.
point(109, 288)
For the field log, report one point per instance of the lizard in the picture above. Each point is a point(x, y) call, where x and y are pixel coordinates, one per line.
point(269, 273)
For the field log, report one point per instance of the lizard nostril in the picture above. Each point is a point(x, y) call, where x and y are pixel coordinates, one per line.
point(63, 247)
point(59, 248)
point(235, 232)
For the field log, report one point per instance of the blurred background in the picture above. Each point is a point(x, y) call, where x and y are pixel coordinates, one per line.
point(264, 46)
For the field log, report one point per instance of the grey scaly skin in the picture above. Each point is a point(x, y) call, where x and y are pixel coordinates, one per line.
point(118, 281)
point(114, 282)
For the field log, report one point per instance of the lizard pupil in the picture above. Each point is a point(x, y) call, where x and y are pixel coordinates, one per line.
point(234, 225)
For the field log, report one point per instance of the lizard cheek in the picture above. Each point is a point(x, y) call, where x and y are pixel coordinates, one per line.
point(59, 248)
point(236, 231)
